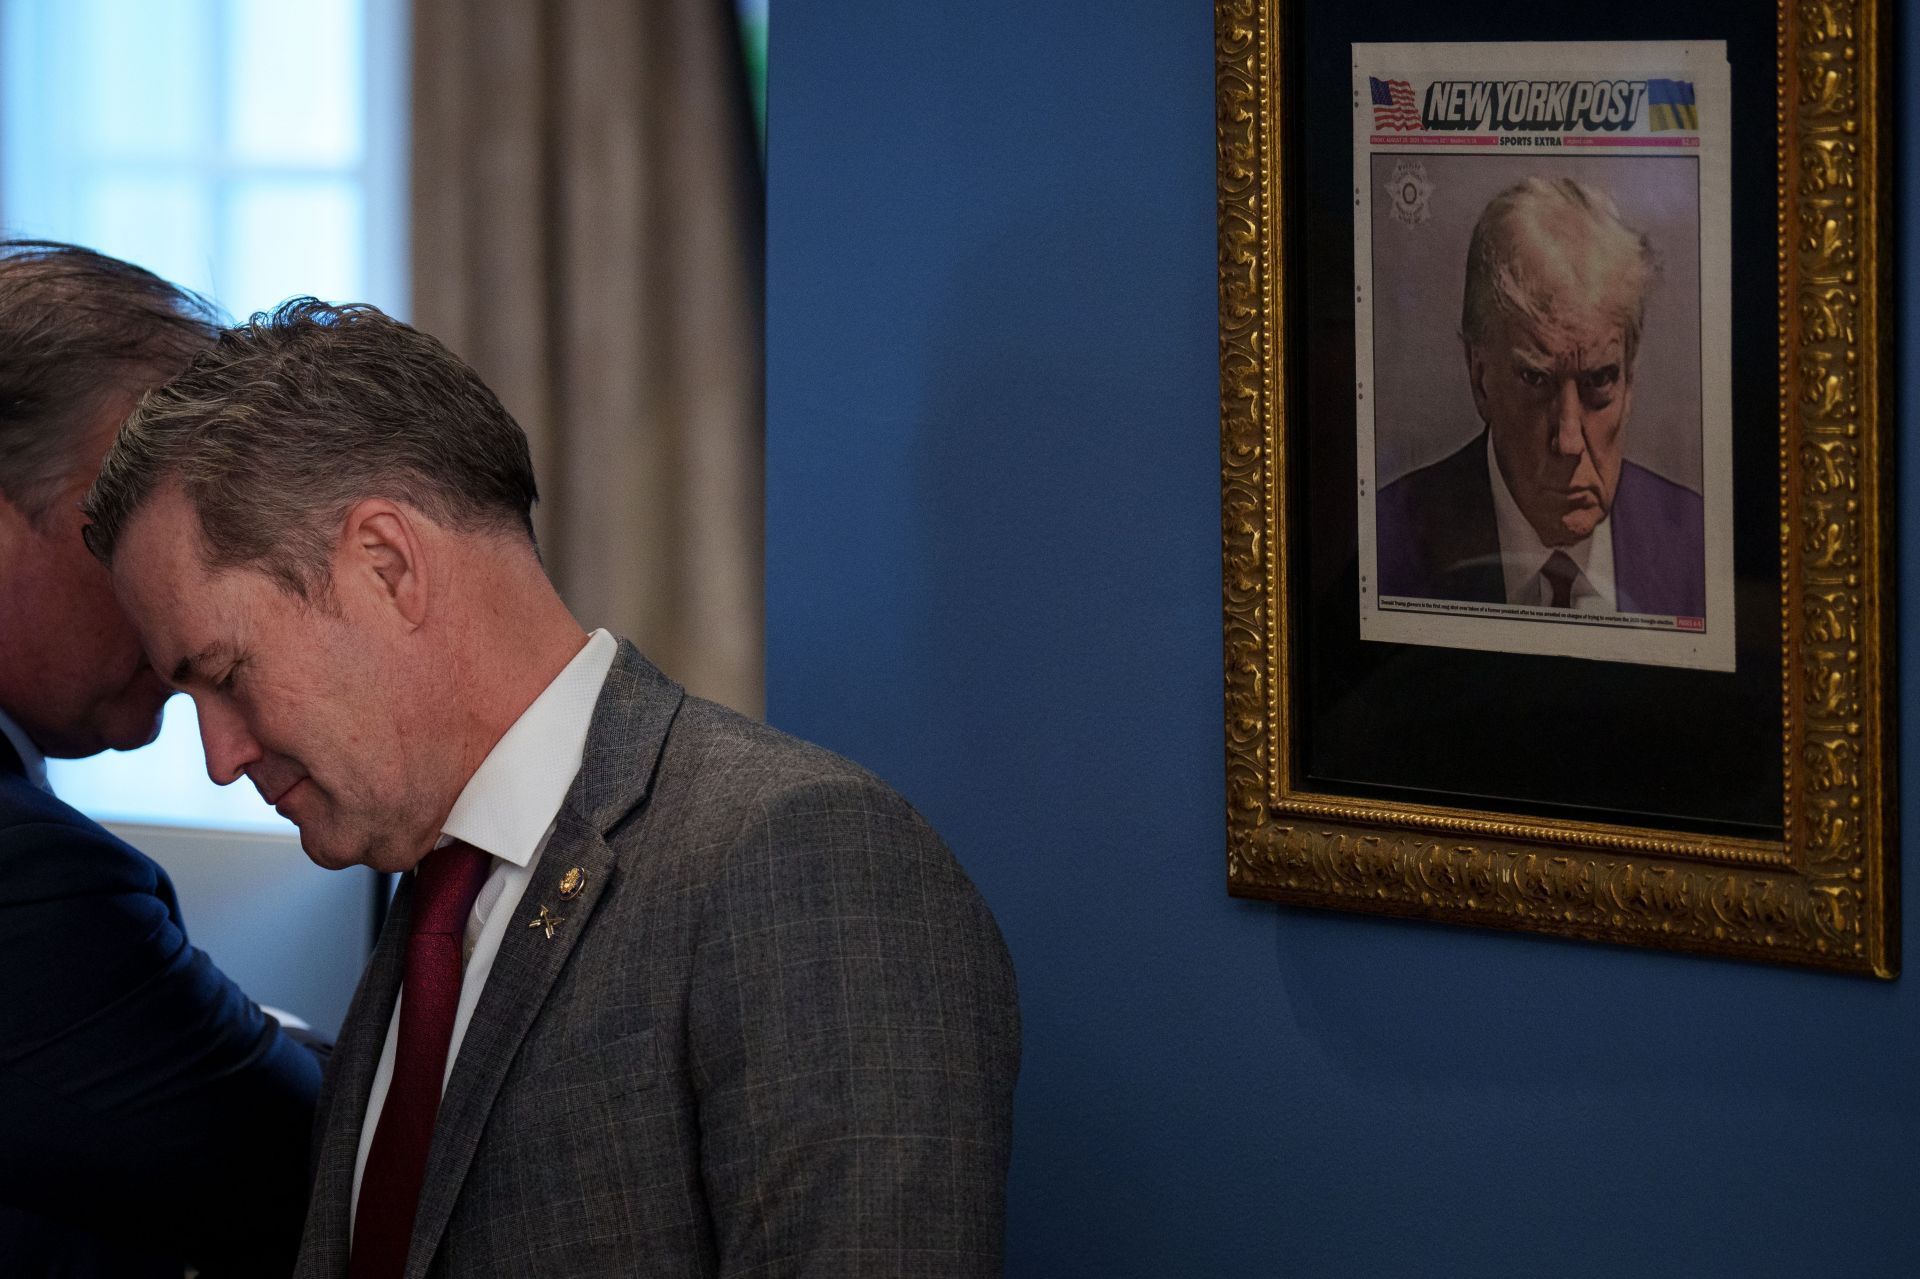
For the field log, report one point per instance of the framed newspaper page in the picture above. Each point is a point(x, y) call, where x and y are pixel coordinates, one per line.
point(1556, 474)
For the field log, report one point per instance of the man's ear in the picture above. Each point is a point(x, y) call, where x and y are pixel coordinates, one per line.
point(1476, 378)
point(15, 530)
point(381, 550)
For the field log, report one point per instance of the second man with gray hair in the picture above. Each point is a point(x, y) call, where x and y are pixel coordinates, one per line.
point(664, 991)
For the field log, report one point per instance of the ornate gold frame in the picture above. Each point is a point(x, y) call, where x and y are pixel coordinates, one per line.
point(1823, 896)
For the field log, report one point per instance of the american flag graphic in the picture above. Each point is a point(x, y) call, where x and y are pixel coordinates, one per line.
point(1393, 105)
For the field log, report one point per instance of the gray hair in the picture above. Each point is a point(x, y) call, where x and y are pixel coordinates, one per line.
point(77, 329)
point(287, 421)
point(1543, 246)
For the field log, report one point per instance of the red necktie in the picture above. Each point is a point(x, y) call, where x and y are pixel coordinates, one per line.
point(444, 888)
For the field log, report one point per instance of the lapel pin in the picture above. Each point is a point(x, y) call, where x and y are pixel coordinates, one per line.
point(548, 920)
point(571, 883)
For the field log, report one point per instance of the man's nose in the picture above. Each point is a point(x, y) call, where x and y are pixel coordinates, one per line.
point(229, 746)
point(1569, 420)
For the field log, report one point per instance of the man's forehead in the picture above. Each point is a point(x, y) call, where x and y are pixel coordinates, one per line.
point(157, 571)
point(163, 531)
point(1581, 341)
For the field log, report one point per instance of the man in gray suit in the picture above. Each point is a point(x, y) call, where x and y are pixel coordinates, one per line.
point(665, 992)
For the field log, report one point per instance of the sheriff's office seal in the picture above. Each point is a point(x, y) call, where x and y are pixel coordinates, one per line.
point(1408, 192)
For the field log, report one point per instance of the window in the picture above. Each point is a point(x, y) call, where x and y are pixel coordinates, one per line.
point(251, 150)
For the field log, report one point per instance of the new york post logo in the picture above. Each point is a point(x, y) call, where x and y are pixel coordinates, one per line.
point(1535, 106)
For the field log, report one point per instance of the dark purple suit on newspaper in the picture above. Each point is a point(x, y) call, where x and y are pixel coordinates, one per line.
point(1438, 539)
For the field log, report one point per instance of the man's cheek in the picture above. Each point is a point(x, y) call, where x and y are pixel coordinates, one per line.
point(1614, 423)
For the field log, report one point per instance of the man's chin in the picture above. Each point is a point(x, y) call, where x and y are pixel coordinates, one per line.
point(331, 853)
point(325, 853)
point(1579, 526)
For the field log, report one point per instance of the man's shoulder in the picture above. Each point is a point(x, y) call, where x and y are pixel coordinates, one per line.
point(1656, 518)
point(649, 734)
point(1649, 494)
point(49, 849)
point(1434, 530)
point(87, 922)
point(727, 759)
point(1659, 539)
point(1434, 502)
point(692, 775)
point(1460, 475)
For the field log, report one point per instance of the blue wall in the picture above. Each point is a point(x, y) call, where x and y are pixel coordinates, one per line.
point(993, 576)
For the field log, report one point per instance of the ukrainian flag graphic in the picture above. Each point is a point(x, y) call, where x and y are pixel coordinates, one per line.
point(1670, 105)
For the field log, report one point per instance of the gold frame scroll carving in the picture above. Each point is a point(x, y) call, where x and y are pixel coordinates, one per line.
point(1823, 894)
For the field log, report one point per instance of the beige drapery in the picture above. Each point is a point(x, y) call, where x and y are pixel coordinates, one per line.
point(586, 233)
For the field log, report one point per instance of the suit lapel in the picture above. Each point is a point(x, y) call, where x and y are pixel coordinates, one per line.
point(630, 724)
point(343, 1095)
point(1467, 537)
point(524, 971)
point(10, 758)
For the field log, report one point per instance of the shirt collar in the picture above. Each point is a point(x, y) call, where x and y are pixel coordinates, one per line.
point(1523, 554)
point(511, 800)
point(31, 759)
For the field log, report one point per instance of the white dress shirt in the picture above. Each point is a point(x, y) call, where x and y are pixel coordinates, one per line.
point(508, 810)
point(30, 757)
point(1523, 554)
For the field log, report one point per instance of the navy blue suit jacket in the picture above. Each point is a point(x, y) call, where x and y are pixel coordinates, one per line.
point(1438, 537)
point(150, 1114)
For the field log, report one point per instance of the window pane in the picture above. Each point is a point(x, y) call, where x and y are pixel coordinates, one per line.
point(295, 82)
point(228, 145)
point(141, 76)
point(161, 223)
point(288, 237)
point(165, 782)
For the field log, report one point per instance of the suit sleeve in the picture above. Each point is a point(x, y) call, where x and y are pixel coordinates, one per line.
point(855, 1037)
point(143, 1096)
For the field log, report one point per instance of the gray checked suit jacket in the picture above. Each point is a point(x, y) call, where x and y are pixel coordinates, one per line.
point(774, 1034)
